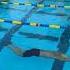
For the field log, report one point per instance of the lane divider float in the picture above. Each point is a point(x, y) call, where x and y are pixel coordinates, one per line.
point(58, 1)
point(37, 5)
point(17, 22)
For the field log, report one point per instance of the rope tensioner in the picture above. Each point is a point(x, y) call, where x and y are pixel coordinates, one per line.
point(17, 22)
point(37, 5)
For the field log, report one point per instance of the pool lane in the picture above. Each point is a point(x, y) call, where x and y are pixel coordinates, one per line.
point(15, 28)
point(8, 60)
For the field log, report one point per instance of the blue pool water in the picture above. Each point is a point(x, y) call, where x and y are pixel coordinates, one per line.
point(9, 60)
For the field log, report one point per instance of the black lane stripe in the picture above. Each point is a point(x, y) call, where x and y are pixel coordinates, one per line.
point(63, 48)
point(55, 14)
point(38, 36)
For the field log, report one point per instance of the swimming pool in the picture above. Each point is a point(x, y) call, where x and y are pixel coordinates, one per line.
point(46, 37)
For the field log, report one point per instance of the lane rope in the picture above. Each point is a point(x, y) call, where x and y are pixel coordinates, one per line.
point(58, 0)
point(37, 5)
point(18, 22)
